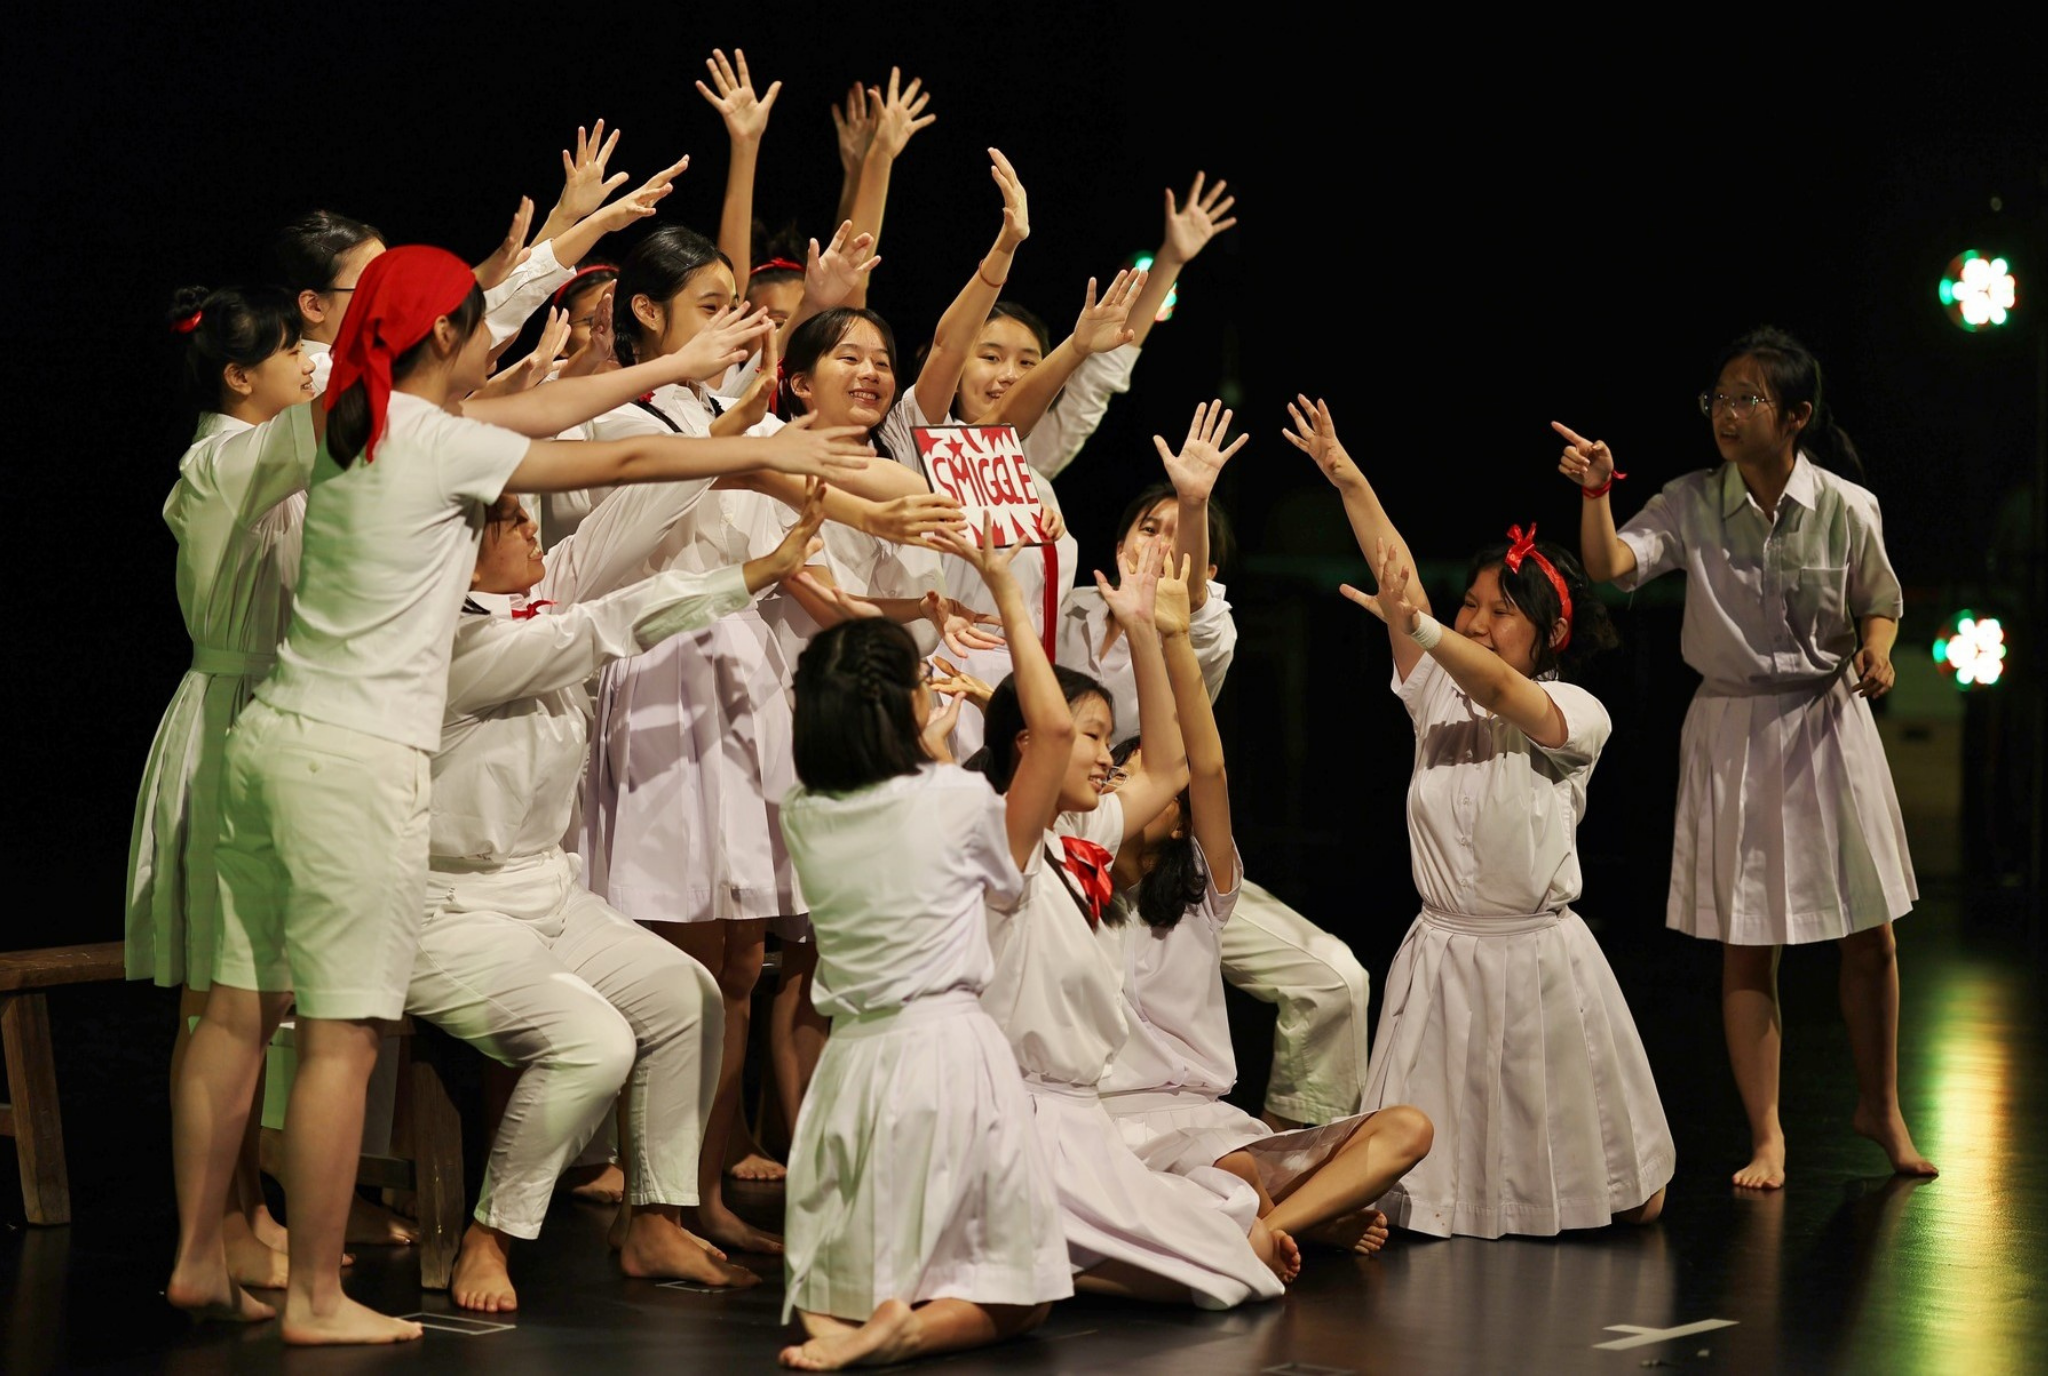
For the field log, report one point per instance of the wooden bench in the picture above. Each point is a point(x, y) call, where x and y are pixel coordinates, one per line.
point(426, 1150)
point(32, 1117)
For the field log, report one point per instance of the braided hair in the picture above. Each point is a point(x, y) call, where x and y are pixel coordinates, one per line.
point(856, 716)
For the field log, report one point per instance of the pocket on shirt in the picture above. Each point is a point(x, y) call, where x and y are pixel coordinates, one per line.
point(1817, 601)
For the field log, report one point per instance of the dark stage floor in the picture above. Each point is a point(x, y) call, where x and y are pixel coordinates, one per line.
point(1847, 1269)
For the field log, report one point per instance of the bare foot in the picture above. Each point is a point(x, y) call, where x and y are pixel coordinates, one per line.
point(1278, 1250)
point(754, 1166)
point(889, 1335)
point(724, 1228)
point(483, 1275)
point(622, 1223)
point(1766, 1170)
point(250, 1262)
point(373, 1225)
point(1364, 1232)
point(658, 1248)
point(210, 1293)
point(269, 1231)
point(1897, 1142)
point(346, 1322)
point(597, 1185)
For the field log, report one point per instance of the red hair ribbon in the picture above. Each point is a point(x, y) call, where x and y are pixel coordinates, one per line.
point(589, 270)
point(1522, 547)
point(778, 265)
point(1089, 864)
point(398, 298)
point(531, 609)
point(189, 323)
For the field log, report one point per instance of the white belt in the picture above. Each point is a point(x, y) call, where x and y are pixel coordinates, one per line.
point(207, 660)
point(1504, 924)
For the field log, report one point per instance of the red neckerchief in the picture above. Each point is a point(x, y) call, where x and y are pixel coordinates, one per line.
point(531, 609)
point(1089, 864)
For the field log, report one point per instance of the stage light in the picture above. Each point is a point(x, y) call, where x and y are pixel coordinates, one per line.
point(1143, 262)
point(1971, 650)
point(1978, 292)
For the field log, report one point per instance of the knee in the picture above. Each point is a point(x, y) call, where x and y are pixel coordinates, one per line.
point(610, 1049)
point(1408, 1131)
point(1871, 950)
point(740, 971)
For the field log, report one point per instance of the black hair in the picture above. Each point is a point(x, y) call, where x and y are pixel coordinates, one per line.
point(348, 415)
point(1174, 878)
point(785, 243)
point(821, 334)
point(1793, 374)
point(1004, 719)
point(1004, 310)
point(658, 267)
point(856, 723)
point(1534, 596)
point(309, 250)
point(1222, 540)
point(238, 326)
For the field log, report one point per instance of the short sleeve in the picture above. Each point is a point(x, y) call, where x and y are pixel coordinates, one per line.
point(1426, 678)
point(1104, 826)
point(1586, 725)
point(1215, 908)
point(1654, 537)
point(1873, 585)
point(988, 841)
point(1212, 635)
point(476, 458)
point(259, 468)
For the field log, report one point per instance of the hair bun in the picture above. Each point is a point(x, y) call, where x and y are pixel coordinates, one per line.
point(185, 305)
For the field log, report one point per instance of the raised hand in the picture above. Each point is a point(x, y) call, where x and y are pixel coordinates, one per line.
point(744, 113)
point(726, 339)
point(1016, 205)
point(960, 626)
point(639, 203)
point(1194, 469)
point(855, 128)
point(833, 276)
point(511, 252)
point(1102, 324)
point(917, 520)
point(989, 560)
point(1315, 434)
point(948, 679)
point(938, 726)
point(547, 354)
point(1171, 610)
point(1052, 527)
point(597, 354)
point(1589, 463)
point(822, 452)
point(1189, 229)
point(1133, 600)
point(752, 408)
point(584, 183)
point(1392, 604)
point(801, 541)
point(899, 113)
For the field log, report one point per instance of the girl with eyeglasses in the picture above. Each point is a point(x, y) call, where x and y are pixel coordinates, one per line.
point(1788, 824)
point(1502, 1021)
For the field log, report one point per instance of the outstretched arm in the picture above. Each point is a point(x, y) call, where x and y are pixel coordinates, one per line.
point(567, 465)
point(960, 326)
point(1188, 231)
point(895, 117)
point(746, 120)
point(1163, 770)
point(584, 181)
point(1315, 434)
point(1590, 464)
point(1194, 471)
point(1103, 326)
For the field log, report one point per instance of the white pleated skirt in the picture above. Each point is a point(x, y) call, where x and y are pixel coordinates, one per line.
point(690, 761)
point(1190, 1229)
point(914, 1172)
point(1511, 1034)
point(173, 922)
point(1788, 823)
point(1185, 1131)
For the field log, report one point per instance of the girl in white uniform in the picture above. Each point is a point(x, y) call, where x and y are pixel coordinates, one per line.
point(325, 797)
point(1269, 950)
point(516, 956)
point(1165, 1088)
point(236, 511)
point(1502, 1020)
point(922, 1214)
point(1058, 996)
point(1788, 824)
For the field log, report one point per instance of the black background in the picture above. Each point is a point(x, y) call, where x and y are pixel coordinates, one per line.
point(1454, 231)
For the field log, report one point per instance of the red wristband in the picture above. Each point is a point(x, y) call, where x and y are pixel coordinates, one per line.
point(1590, 493)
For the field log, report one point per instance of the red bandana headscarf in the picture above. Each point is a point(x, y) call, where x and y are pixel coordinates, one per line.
point(1522, 547)
point(398, 298)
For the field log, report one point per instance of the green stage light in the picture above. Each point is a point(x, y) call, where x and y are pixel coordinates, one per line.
point(1978, 292)
point(1143, 263)
point(1970, 650)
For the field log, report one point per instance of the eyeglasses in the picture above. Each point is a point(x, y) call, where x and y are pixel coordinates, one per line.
point(335, 289)
point(1114, 777)
point(1741, 407)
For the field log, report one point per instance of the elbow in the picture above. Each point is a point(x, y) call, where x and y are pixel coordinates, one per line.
point(1058, 734)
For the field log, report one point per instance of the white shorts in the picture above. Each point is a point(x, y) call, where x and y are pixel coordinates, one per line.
point(323, 864)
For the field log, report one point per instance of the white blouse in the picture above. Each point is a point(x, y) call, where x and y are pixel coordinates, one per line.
point(390, 547)
point(1769, 603)
point(1492, 816)
point(1084, 626)
point(1060, 434)
point(1056, 993)
point(1173, 996)
point(509, 305)
point(896, 876)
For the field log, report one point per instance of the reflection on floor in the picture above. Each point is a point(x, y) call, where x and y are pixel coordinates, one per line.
point(1847, 1269)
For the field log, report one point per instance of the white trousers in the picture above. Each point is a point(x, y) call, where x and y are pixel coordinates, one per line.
point(1278, 956)
point(535, 971)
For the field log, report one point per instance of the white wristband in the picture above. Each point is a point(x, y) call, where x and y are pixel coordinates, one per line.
point(1428, 631)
